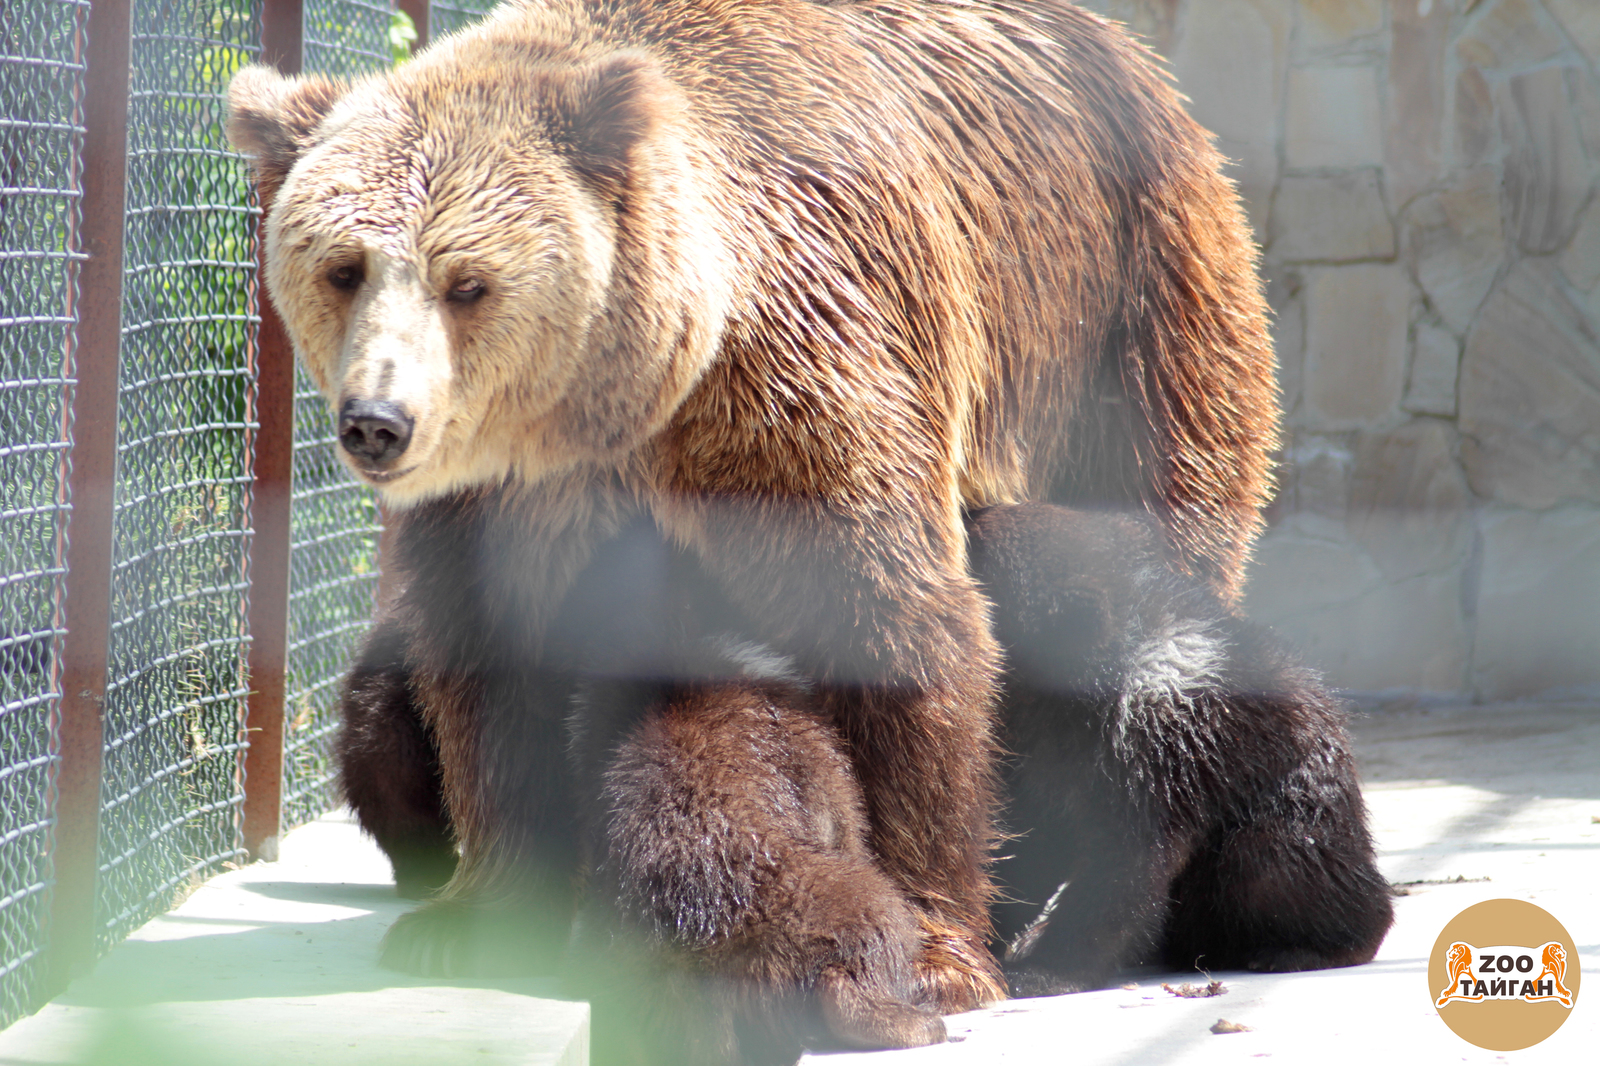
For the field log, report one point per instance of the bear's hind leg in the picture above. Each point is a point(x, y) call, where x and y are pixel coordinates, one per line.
point(389, 767)
point(1148, 717)
point(1274, 898)
point(731, 838)
point(1288, 879)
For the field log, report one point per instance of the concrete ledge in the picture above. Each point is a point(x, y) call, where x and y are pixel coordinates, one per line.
point(275, 964)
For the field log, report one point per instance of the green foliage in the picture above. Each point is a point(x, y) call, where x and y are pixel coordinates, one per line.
point(402, 35)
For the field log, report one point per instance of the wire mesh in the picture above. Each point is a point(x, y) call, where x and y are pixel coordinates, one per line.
point(333, 569)
point(447, 17)
point(41, 84)
point(174, 713)
point(348, 37)
point(171, 789)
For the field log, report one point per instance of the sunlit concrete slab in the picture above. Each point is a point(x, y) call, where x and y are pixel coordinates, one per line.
point(275, 964)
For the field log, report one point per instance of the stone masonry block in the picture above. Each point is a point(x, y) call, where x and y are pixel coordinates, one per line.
point(1409, 501)
point(1288, 332)
point(1456, 242)
point(1304, 568)
point(1363, 632)
point(1547, 176)
point(1332, 24)
point(1230, 61)
point(1414, 119)
point(1333, 118)
point(1530, 394)
point(1509, 35)
point(1475, 126)
point(1435, 369)
point(1585, 88)
point(1331, 219)
point(1581, 261)
point(1357, 323)
point(1581, 18)
point(1317, 468)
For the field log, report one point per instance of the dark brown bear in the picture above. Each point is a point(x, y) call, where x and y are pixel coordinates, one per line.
point(1182, 789)
point(799, 282)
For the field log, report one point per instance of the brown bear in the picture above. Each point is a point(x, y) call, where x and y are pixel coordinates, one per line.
point(799, 282)
point(1181, 789)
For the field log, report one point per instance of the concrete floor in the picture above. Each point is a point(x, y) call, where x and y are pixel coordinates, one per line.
point(275, 963)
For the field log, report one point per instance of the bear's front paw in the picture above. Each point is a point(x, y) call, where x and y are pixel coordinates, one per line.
point(858, 1018)
point(454, 939)
point(956, 972)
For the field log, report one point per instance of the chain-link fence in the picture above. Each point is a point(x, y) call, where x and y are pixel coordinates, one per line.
point(169, 717)
point(174, 700)
point(448, 16)
point(348, 37)
point(41, 84)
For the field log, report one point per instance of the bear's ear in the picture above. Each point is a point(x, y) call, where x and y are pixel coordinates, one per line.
point(603, 111)
point(271, 118)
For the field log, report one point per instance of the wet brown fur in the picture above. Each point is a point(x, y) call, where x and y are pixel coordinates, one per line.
point(800, 282)
point(731, 837)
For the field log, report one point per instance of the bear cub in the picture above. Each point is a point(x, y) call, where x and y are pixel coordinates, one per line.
point(1181, 788)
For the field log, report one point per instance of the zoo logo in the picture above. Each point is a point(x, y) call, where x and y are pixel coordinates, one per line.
point(1547, 986)
point(1492, 989)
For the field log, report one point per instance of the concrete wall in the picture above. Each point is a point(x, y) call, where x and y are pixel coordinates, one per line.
point(1421, 177)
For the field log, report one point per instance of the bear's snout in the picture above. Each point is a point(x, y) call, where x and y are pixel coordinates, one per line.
point(374, 432)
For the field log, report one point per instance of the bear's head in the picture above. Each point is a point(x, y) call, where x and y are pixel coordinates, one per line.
point(495, 264)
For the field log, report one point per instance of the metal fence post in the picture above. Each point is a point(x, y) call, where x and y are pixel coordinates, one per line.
point(282, 45)
point(87, 605)
point(419, 10)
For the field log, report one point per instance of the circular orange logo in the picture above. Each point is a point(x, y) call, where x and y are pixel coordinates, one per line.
point(1504, 974)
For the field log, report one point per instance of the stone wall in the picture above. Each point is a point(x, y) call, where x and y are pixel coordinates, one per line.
point(1421, 177)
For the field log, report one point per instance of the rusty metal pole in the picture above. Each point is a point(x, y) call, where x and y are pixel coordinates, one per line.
point(421, 17)
point(87, 601)
point(282, 45)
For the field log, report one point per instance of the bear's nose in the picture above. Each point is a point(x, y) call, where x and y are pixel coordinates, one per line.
point(374, 431)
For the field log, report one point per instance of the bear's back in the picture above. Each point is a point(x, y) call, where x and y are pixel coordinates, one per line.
point(1000, 211)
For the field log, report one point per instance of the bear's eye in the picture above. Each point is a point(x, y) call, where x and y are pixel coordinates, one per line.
point(346, 278)
point(466, 291)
